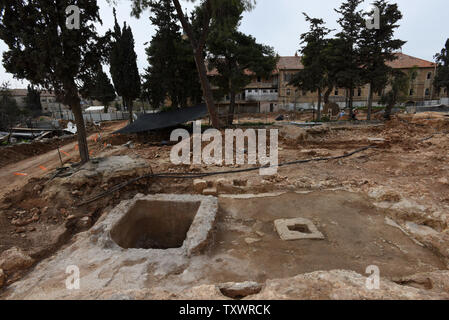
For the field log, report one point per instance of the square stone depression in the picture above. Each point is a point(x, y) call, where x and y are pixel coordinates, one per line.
point(181, 223)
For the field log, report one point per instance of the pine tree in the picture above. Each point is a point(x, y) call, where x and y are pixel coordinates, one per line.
point(399, 83)
point(123, 63)
point(377, 48)
point(211, 8)
point(33, 101)
point(172, 70)
point(314, 77)
point(47, 53)
point(9, 110)
point(236, 57)
point(442, 74)
point(351, 23)
point(103, 90)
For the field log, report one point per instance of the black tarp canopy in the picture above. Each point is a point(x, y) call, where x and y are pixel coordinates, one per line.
point(161, 120)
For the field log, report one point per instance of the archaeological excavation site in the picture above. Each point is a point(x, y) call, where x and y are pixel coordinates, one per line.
point(223, 159)
point(348, 202)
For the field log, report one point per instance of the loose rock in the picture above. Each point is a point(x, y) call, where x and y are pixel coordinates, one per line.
point(14, 260)
point(210, 192)
point(2, 278)
point(239, 290)
point(199, 185)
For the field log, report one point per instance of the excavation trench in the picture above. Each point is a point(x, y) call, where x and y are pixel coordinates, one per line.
point(155, 225)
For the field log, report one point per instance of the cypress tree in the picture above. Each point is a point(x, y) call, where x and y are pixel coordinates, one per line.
point(377, 47)
point(123, 63)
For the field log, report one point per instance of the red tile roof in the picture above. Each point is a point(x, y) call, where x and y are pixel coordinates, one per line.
point(402, 62)
point(290, 63)
point(405, 62)
point(294, 63)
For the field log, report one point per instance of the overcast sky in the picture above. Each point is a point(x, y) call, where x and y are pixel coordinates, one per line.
point(279, 23)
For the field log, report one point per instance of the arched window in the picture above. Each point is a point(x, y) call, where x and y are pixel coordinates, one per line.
point(429, 75)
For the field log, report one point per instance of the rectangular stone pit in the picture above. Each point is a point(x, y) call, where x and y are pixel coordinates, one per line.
point(162, 222)
point(153, 224)
point(297, 229)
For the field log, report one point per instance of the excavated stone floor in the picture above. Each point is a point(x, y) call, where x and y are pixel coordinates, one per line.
point(237, 243)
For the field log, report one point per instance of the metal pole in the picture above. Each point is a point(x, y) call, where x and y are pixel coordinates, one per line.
point(60, 158)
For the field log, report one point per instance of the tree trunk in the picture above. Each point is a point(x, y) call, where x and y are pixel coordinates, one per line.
point(351, 99)
point(327, 95)
point(207, 90)
point(72, 99)
point(10, 134)
point(231, 109)
point(124, 106)
point(388, 111)
point(318, 112)
point(197, 47)
point(81, 131)
point(130, 110)
point(370, 102)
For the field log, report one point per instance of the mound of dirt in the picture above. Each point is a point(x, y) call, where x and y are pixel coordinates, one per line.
point(44, 215)
point(19, 152)
point(293, 135)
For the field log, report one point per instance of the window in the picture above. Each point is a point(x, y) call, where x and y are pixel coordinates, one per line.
point(288, 77)
point(412, 92)
point(259, 79)
point(359, 92)
point(288, 92)
point(250, 90)
point(336, 92)
point(264, 91)
point(427, 92)
point(429, 76)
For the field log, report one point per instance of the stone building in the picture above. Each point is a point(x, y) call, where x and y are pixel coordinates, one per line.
point(273, 94)
point(48, 100)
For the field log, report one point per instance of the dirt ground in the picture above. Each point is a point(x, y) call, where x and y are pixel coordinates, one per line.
point(405, 178)
point(35, 166)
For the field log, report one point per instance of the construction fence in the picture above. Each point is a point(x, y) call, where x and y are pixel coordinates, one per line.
point(92, 116)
